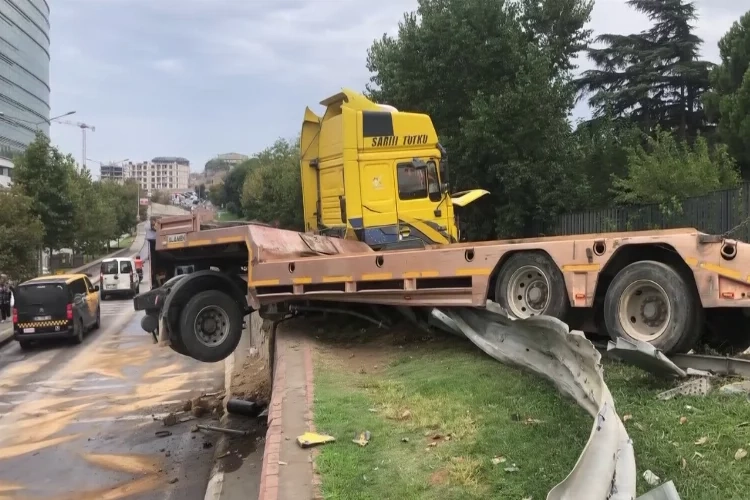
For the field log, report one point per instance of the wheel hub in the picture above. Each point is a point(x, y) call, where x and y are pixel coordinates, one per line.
point(644, 310)
point(527, 292)
point(211, 326)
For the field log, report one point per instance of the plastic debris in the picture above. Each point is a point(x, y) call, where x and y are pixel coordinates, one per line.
point(362, 438)
point(644, 356)
point(651, 478)
point(740, 454)
point(736, 388)
point(666, 491)
point(309, 439)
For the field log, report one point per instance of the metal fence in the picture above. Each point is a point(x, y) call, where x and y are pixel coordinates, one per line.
point(714, 213)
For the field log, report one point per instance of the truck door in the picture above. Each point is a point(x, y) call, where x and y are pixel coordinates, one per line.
point(378, 193)
point(331, 198)
point(421, 212)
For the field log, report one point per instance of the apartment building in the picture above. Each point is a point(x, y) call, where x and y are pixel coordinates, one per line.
point(117, 173)
point(164, 173)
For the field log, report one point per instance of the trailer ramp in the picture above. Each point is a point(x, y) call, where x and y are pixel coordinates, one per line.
point(606, 469)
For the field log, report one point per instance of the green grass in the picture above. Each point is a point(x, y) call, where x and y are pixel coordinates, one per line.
point(126, 242)
point(229, 216)
point(453, 390)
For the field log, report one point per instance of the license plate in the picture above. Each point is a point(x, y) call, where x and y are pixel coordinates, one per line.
point(111, 287)
point(42, 318)
point(29, 330)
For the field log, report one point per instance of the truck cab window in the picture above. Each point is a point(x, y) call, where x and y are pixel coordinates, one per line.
point(433, 183)
point(412, 181)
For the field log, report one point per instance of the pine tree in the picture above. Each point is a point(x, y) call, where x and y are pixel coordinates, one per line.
point(654, 78)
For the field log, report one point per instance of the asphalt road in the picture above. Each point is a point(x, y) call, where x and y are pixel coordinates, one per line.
point(77, 422)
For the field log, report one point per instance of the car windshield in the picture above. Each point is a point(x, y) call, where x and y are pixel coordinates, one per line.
point(42, 293)
point(109, 267)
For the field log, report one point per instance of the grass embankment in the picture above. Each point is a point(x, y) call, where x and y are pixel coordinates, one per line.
point(447, 420)
point(124, 243)
point(228, 216)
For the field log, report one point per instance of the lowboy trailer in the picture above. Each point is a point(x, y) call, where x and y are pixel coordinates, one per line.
point(671, 288)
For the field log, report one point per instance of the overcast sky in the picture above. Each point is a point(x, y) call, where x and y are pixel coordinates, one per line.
point(196, 78)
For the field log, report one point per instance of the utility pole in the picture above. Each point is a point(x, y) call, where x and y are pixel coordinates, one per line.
point(83, 127)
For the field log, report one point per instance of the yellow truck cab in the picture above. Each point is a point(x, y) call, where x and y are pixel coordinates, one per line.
point(378, 175)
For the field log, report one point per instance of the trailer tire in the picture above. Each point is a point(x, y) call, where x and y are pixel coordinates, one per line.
point(210, 326)
point(531, 284)
point(651, 302)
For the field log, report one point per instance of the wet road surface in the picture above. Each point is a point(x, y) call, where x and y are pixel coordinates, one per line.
point(77, 422)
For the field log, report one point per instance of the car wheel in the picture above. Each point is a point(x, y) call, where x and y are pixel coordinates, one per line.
point(210, 326)
point(98, 318)
point(104, 296)
point(78, 331)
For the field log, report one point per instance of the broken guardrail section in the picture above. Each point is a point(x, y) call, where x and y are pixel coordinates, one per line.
point(605, 470)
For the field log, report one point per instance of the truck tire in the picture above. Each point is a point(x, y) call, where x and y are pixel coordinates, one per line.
point(210, 326)
point(650, 301)
point(531, 284)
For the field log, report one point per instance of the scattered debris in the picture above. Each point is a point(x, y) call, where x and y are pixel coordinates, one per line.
point(651, 478)
point(512, 468)
point(697, 387)
point(162, 434)
point(666, 491)
point(246, 408)
point(498, 460)
point(194, 428)
point(283, 463)
point(362, 438)
point(644, 356)
point(169, 420)
point(173, 480)
point(224, 455)
point(264, 413)
point(683, 420)
point(683, 463)
point(207, 445)
point(404, 440)
point(405, 415)
point(627, 417)
point(736, 388)
point(701, 441)
point(309, 439)
point(693, 372)
point(532, 421)
point(740, 454)
point(223, 429)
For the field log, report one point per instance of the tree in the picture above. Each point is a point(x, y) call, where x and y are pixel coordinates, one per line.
point(43, 174)
point(272, 192)
point(216, 194)
point(494, 77)
point(21, 234)
point(655, 77)
point(667, 171)
point(603, 146)
point(729, 102)
point(233, 185)
point(95, 220)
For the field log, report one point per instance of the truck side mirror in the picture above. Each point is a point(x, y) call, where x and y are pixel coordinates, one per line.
point(445, 187)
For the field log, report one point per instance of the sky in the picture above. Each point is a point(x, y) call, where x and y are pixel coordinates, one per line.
point(197, 78)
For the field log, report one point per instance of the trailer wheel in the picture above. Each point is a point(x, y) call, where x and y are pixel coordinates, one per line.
point(210, 326)
point(651, 302)
point(531, 284)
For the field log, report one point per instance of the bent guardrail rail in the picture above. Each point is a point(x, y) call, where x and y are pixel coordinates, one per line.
point(605, 470)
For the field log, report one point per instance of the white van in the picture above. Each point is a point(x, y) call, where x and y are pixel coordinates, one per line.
point(118, 277)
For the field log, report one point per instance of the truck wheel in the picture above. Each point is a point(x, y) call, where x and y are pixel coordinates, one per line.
point(210, 326)
point(531, 284)
point(651, 302)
